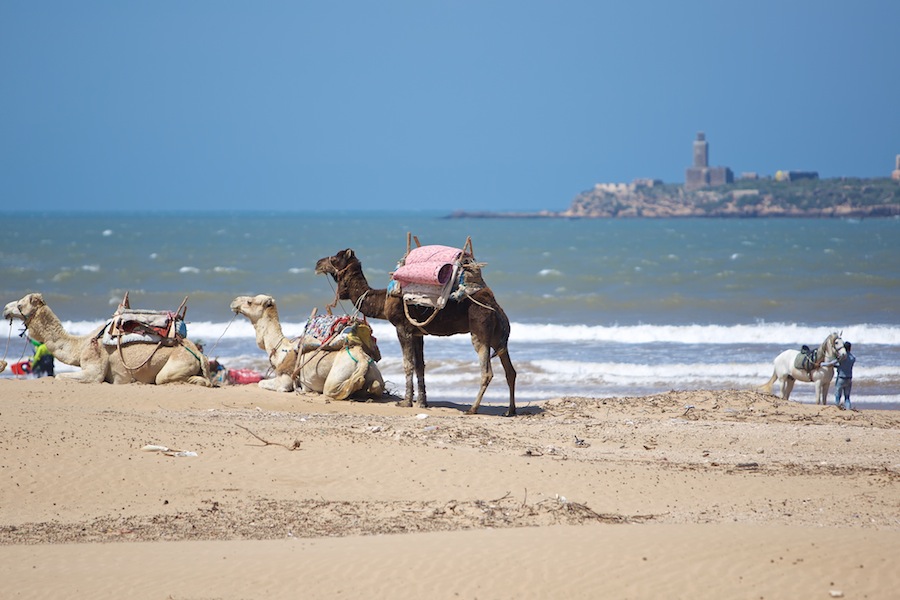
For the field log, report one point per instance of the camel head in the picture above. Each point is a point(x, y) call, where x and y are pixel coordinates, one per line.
point(11, 311)
point(253, 307)
point(334, 265)
point(23, 309)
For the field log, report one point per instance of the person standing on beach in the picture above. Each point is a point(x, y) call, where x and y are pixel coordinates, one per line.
point(42, 361)
point(844, 380)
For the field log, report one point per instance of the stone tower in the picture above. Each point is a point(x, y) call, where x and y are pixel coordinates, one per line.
point(700, 174)
point(701, 151)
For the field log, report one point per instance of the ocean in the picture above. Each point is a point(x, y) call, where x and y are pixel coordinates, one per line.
point(599, 308)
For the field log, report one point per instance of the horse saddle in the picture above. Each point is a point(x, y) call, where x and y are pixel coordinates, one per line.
point(806, 360)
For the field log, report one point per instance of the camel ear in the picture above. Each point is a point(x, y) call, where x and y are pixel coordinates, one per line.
point(348, 253)
point(269, 302)
point(37, 298)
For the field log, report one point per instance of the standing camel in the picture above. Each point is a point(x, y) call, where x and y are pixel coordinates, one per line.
point(786, 373)
point(478, 314)
point(159, 364)
point(337, 373)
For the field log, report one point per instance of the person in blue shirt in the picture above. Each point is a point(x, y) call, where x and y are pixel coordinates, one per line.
point(844, 380)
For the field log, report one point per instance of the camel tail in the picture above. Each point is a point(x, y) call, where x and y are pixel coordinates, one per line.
point(767, 386)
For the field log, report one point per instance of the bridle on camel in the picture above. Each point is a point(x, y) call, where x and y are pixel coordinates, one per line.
point(8, 338)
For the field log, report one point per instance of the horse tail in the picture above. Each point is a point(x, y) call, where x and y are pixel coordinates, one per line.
point(767, 386)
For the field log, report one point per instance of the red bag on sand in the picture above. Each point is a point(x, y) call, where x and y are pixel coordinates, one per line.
point(21, 368)
point(243, 376)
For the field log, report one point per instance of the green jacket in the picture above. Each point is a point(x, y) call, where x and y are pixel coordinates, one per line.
point(39, 353)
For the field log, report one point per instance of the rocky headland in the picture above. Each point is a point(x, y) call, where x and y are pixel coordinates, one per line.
point(842, 198)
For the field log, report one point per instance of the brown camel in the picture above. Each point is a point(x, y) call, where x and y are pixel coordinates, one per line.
point(478, 314)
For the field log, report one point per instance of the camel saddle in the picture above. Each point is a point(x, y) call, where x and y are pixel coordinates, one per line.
point(333, 332)
point(129, 325)
point(431, 276)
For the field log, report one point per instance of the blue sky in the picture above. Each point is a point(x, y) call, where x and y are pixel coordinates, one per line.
point(477, 105)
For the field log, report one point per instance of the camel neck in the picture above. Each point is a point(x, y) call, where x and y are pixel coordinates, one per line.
point(269, 337)
point(46, 327)
point(354, 286)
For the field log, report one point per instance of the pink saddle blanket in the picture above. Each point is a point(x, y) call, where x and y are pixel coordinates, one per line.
point(428, 265)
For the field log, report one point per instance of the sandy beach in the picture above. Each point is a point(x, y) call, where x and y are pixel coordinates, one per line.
point(182, 492)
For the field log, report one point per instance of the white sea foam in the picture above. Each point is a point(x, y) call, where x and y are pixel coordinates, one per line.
point(788, 335)
point(758, 333)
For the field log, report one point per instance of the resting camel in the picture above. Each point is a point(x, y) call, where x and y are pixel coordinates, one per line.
point(786, 373)
point(182, 363)
point(338, 374)
point(478, 314)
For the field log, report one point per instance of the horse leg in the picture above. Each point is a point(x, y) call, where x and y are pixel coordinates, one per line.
point(419, 356)
point(487, 373)
point(787, 386)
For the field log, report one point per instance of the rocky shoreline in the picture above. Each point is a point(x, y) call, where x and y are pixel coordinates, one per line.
point(836, 198)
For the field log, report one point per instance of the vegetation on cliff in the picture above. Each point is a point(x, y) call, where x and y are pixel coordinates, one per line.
point(843, 197)
point(746, 198)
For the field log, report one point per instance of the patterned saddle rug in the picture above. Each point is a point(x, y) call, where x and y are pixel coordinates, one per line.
point(333, 332)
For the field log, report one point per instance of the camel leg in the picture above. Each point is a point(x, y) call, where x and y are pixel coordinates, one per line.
point(94, 364)
point(407, 345)
point(279, 383)
point(419, 355)
point(510, 372)
point(374, 386)
point(182, 367)
point(487, 373)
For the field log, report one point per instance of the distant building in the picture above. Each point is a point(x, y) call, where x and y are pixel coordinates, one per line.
point(795, 175)
point(895, 175)
point(701, 175)
point(648, 183)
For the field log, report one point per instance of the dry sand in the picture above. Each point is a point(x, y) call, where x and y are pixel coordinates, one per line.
point(699, 494)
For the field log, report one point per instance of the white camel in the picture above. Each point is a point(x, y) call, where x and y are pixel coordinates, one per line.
point(338, 374)
point(158, 364)
point(786, 373)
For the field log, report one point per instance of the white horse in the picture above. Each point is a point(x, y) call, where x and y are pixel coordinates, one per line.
point(786, 373)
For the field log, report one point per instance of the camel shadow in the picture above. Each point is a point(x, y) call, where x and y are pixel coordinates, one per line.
point(497, 410)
